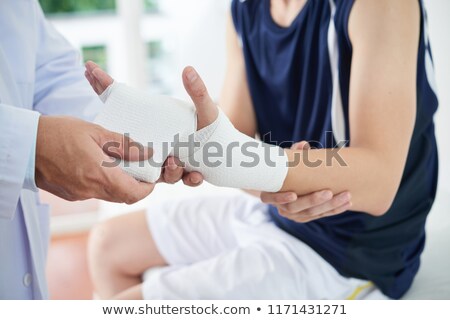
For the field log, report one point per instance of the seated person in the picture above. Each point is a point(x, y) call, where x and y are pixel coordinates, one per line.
point(357, 73)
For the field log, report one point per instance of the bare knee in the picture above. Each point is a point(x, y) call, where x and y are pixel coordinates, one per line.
point(102, 245)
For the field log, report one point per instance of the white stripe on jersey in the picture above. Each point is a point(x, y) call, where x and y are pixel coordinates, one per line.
point(337, 111)
point(429, 66)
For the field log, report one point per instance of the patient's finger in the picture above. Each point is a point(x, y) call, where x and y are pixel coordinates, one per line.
point(95, 84)
point(91, 65)
point(337, 211)
point(308, 202)
point(207, 110)
point(104, 80)
point(91, 81)
point(302, 145)
point(305, 218)
point(100, 79)
point(278, 198)
point(329, 206)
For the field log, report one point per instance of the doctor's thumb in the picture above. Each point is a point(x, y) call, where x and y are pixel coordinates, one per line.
point(207, 110)
point(123, 147)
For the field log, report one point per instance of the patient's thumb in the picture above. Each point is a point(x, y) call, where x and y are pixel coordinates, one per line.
point(207, 110)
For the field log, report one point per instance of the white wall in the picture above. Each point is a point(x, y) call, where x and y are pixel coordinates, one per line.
point(201, 32)
point(439, 23)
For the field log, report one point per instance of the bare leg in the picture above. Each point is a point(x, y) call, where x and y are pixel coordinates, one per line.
point(134, 293)
point(120, 251)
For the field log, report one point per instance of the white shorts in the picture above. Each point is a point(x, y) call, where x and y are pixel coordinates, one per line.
point(227, 247)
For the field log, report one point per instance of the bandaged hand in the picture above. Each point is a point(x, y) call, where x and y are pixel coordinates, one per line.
point(201, 136)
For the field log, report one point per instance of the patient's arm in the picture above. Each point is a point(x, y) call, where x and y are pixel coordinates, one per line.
point(235, 98)
point(384, 36)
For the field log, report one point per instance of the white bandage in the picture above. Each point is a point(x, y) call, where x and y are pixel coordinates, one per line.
point(222, 154)
point(154, 120)
point(228, 158)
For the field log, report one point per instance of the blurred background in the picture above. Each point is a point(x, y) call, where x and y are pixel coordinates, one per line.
point(147, 43)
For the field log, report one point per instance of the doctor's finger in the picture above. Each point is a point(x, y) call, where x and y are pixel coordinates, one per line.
point(193, 179)
point(122, 188)
point(173, 172)
point(123, 147)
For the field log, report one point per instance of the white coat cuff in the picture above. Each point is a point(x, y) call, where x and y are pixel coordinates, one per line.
point(30, 182)
point(18, 129)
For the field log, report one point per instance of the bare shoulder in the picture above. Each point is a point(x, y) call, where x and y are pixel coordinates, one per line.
point(398, 19)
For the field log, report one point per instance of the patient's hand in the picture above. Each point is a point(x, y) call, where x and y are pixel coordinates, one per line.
point(307, 208)
point(173, 170)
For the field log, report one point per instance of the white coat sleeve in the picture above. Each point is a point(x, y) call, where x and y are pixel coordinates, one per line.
point(60, 87)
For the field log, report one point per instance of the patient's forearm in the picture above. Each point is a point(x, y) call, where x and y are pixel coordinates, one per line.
point(370, 176)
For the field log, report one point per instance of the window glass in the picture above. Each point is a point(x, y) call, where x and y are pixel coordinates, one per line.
point(151, 5)
point(159, 67)
point(97, 54)
point(77, 6)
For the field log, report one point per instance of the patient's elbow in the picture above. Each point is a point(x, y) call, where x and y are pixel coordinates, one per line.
point(382, 205)
point(380, 210)
point(383, 191)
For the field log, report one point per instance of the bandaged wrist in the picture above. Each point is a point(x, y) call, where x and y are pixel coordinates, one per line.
point(228, 158)
point(222, 154)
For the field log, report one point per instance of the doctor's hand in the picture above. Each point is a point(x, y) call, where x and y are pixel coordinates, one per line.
point(307, 208)
point(72, 158)
point(173, 170)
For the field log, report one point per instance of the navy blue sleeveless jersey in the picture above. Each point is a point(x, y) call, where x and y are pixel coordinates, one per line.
point(298, 78)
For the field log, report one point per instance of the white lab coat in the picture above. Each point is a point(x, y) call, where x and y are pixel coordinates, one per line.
point(40, 73)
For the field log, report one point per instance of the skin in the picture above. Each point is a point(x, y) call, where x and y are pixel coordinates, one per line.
point(285, 11)
point(384, 36)
point(117, 259)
